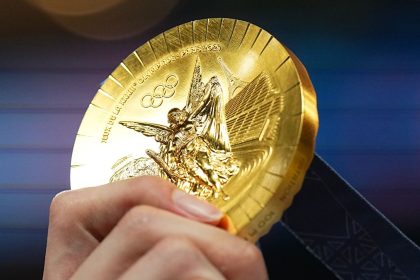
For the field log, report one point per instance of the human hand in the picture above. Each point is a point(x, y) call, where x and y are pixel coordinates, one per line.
point(143, 228)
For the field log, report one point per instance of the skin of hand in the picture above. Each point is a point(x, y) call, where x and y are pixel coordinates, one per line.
point(143, 228)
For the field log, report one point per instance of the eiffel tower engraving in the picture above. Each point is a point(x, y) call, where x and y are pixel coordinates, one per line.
point(234, 82)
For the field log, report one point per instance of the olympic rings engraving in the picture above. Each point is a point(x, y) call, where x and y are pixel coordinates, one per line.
point(161, 91)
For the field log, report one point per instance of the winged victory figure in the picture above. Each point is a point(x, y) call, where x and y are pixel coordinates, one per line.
point(195, 152)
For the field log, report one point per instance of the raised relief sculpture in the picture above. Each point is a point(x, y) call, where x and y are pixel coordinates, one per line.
point(195, 152)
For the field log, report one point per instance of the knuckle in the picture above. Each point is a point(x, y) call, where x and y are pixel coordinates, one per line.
point(64, 208)
point(253, 258)
point(58, 200)
point(251, 254)
point(139, 219)
point(177, 245)
point(60, 205)
point(185, 259)
point(181, 251)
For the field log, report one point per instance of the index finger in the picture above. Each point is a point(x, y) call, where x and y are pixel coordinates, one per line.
point(80, 219)
point(98, 209)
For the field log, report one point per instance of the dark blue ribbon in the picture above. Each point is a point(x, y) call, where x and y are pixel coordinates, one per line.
point(350, 236)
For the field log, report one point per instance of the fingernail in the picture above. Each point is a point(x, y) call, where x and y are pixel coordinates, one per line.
point(196, 208)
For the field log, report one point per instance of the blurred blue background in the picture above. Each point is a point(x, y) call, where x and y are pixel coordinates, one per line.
point(363, 58)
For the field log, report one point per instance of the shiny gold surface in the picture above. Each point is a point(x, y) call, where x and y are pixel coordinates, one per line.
point(217, 106)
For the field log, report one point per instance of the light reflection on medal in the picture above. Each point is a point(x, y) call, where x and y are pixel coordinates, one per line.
point(218, 107)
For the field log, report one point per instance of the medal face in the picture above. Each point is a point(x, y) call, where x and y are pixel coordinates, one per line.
point(216, 106)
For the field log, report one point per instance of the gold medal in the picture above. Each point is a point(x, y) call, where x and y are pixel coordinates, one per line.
point(218, 107)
